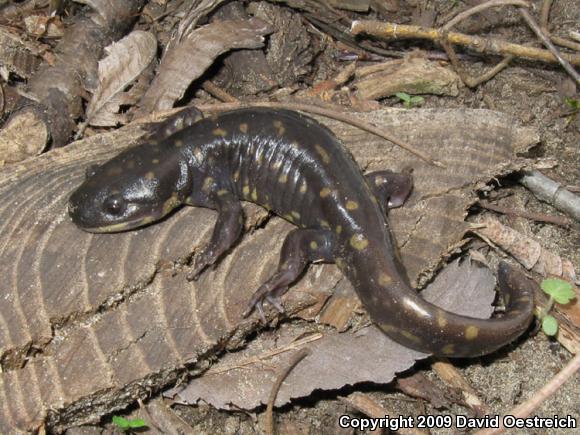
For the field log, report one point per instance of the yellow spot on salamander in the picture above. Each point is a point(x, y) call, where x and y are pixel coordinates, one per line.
point(267, 206)
point(150, 175)
point(324, 192)
point(338, 229)
point(386, 327)
point(277, 165)
point(283, 178)
point(222, 192)
point(280, 130)
point(448, 349)
point(236, 175)
point(323, 153)
point(197, 154)
point(340, 263)
point(295, 214)
point(410, 336)
point(359, 242)
point(155, 161)
point(303, 187)
point(471, 332)
point(244, 127)
point(324, 224)
point(178, 143)
point(170, 204)
point(313, 245)
point(384, 279)
point(254, 195)
point(441, 319)
point(207, 184)
point(351, 205)
point(246, 190)
point(219, 132)
point(288, 217)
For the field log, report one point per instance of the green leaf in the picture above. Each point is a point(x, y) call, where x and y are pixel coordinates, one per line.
point(560, 290)
point(121, 423)
point(403, 96)
point(126, 424)
point(416, 100)
point(137, 423)
point(549, 325)
point(572, 103)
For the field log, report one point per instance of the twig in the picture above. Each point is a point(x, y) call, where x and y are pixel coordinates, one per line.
point(545, 14)
point(546, 41)
point(465, 77)
point(468, 80)
point(544, 18)
point(553, 193)
point(453, 377)
point(269, 354)
point(538, 217)
point(536, 400)
point(477, 43)
point(150, 419)
point(329, 113)
point(481, 7)
point(299, 356)
point(214, 90)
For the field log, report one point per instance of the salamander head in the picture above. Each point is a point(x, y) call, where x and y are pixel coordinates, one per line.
point(139, 186)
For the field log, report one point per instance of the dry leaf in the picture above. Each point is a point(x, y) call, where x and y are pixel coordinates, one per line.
point(43, 26)
point(527, 251)
point(416, 75)
point(187, 59)
point(126, 60)
point(16, 55)
point(335, 360)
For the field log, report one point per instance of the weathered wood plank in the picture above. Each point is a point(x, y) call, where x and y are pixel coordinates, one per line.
point(88, 322)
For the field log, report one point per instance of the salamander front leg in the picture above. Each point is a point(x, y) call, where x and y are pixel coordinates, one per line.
point(390, 188)
point(225, 233)
point(302, 246)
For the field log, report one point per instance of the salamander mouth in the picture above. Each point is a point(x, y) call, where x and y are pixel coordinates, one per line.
point(119, 227)
point(104, 226)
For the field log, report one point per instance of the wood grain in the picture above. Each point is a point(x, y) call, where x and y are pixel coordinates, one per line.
point(89, 322)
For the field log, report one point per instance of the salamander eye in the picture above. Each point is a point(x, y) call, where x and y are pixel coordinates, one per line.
point(114, 204)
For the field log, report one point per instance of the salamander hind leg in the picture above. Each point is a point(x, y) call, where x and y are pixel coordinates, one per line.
point(390, 188)
point(301, 246)
point(226, 231)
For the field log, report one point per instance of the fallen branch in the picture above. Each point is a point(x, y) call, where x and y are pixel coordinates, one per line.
point(553, 193)
point(269, 423)
point(538, 217)
point(476, 43)
point(546, 41)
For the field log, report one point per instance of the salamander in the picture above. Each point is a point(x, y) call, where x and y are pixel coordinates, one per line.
point(296, 168)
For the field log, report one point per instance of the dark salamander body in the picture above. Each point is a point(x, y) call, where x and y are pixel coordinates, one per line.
point(295, 167)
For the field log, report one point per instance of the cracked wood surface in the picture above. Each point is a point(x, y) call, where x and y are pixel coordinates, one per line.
point(89, 322)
